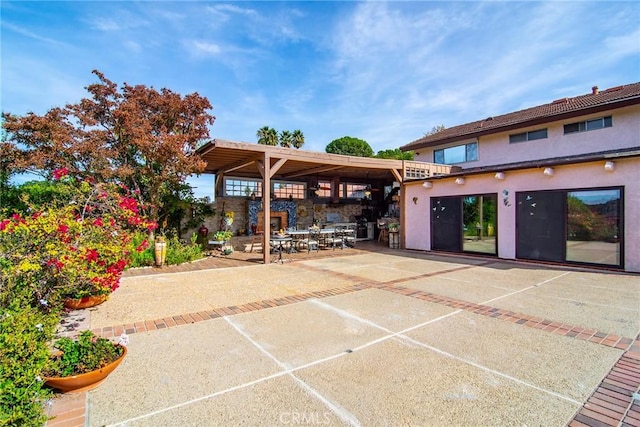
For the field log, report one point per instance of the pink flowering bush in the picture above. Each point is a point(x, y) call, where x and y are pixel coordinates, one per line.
point(78, 247)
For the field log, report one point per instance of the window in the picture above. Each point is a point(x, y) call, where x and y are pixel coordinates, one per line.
point(242, 187)
point(599, 123)
point(457, 154)
point(354, 191)
point(323, 189)
point(285, 190)
point(528, 136)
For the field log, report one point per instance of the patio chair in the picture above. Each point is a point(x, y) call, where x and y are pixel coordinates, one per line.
point(350, 237)
point(312, 240)
point(336, 238)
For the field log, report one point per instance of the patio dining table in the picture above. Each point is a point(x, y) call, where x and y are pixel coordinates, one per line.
point(277, 243)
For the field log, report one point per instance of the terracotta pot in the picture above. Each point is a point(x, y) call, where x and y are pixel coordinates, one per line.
point(85, 302)
point(83, 382)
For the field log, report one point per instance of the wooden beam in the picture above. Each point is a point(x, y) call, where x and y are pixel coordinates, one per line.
point(266, 209)
point(239, 164)
point(276, 167)
point(312, 171)
point(397, 175)
point(260, 165)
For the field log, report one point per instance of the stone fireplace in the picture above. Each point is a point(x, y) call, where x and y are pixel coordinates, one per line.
point(283, 214)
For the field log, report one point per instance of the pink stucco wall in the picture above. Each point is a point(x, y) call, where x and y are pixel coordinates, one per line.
point(496, 149)
point(577, 176)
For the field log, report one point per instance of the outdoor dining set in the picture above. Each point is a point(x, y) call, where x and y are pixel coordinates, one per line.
point(312, 239)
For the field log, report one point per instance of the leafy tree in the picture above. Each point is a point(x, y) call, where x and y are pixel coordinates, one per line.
point(135, 135)
point(350, 146)
point(298, 139)
point(286, 139)
point(435, 129)
point(267, 136)
point(395, 154)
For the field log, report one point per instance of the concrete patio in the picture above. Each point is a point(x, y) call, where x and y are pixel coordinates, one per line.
point(384, 337)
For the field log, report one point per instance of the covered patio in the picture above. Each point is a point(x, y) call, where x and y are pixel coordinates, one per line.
point(330, 180)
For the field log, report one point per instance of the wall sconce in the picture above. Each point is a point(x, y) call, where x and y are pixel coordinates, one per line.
point(459, 181)
point(427, 184)
point(609, 166)
point(415, 200)
point(499, 175)
point(548, 171)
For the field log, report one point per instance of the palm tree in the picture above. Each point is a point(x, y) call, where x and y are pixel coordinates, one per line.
point(267, 136)
point(298, 139)
point(286, 139)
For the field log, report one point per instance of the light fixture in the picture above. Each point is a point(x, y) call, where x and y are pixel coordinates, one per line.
point(427, 184)
point(460, 181)
point(548, 171)
point(499, 175)
point(609, 166)
point(367, 191)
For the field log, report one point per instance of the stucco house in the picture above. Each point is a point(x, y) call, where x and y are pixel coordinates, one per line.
point(558, 182)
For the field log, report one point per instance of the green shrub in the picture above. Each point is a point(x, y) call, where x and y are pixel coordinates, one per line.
point(178, 252)
point(24, 353)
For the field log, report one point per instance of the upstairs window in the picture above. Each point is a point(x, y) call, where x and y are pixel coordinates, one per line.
point(458, 154)
point(599, 123)
point(528, 136)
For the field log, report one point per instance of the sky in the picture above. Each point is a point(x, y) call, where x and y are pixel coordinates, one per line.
point(384, 72)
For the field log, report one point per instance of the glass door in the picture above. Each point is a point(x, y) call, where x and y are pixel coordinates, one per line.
point(479, 224)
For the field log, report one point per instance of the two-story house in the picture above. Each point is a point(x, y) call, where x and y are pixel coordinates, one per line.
point(559, 182)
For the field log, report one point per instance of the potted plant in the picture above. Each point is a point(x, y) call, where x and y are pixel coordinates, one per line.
point(84, 363)
point(223, 235)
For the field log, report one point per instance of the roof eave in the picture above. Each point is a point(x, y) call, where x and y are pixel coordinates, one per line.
point(525, 123)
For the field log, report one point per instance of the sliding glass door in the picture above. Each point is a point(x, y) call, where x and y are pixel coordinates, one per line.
point(593, 226)
point(464, 223)
point(583, 226)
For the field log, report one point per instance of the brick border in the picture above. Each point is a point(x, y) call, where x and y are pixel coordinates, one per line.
point(616, 401)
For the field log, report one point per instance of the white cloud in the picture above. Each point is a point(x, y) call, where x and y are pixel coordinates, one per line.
point(25, 32)
point(204, 48)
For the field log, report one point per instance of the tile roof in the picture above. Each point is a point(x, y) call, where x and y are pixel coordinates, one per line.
point(614, 97)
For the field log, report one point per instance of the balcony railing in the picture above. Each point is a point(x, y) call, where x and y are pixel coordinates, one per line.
point(422, 170)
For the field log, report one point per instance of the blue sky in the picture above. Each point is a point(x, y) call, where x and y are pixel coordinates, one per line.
point(385, 72)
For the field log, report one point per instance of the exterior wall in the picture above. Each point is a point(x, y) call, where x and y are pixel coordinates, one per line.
point(496, 149)
point(576, 176)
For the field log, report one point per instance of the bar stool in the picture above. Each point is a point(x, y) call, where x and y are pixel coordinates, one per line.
point(384, 232)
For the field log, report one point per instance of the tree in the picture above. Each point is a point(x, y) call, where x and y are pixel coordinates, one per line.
point(286, 139)
point(136, 135)
point(267, 136)
point(435, 129)
point(395, 154)
point(350, 146)
point(298, 139)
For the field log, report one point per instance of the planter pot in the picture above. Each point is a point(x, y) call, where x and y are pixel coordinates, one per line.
point(160, 253)
point(83, 382)
point(85, 302)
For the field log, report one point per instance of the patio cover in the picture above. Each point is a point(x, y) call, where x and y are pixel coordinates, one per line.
point(251, 160)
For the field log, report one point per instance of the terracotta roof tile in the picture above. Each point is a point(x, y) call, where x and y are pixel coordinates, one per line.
point(555, 110)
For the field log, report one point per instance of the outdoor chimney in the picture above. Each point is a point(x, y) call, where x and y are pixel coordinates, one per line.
point(594, 90)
